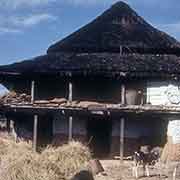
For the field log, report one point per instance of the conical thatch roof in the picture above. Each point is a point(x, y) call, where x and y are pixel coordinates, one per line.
point(95, 50)
point(118, 26)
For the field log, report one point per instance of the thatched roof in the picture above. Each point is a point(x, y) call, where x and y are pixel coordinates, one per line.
point(98, 64)
point(118, 26)
point(95, 50)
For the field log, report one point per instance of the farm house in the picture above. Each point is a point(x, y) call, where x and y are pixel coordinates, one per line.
point(113, 85)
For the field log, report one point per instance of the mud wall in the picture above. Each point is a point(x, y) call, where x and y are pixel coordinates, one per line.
point(61, 129)
point(138, 131)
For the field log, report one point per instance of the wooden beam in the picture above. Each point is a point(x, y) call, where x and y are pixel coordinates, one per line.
point(35, 131)
point(32, 91)
point(122, 123)
point(123, 94)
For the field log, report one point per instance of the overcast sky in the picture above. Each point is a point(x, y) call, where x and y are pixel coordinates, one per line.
point(28, 27)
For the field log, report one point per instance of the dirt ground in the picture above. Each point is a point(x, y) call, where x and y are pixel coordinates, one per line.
point(114, 171)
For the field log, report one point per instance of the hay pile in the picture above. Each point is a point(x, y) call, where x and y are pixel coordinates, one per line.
point(171, 152)
point(70, 158)
point(19, 162)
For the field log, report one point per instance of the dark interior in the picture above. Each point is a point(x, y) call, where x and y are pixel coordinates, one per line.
point(45, 130)
point(99, 136)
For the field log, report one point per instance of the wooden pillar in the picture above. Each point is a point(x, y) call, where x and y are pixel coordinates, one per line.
point(120, 50)
point(122, 139)
point(70, 91)
point(32, 91)
point(35, 131)
point(70, 134)
point(123, 94)
point(70, 128)
point(122, 124)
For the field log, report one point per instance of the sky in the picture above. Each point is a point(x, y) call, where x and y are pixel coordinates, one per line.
point(29, 27)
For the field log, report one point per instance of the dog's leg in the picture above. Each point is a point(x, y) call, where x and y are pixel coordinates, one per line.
point(147, 171)
point(144, 170)
point(136, 172)
point(174, 173)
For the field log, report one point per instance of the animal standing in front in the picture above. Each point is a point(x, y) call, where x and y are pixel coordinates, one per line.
point(144, 158)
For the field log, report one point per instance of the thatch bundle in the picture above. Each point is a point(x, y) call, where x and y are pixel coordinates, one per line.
point(19, 162)
point(171, 151)
point(172, 148)
point(69, 158)
point(8, 146)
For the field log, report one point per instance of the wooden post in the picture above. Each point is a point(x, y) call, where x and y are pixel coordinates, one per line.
point(122, 139)
point(70, 128)
point(123, 94)
point(120, 50)
point(32, 91)
point(70, 91)
point(35, 132)
point(70, 118)
point(122, 122)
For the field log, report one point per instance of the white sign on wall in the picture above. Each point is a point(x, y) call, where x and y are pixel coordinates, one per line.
point(163, 93)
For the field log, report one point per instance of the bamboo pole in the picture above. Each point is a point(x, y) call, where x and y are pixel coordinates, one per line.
point(35, 131)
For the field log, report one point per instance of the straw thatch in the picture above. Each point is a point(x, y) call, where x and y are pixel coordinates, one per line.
point(101, 64)
point(69, 158)
point(171, 151)
point(118, 26)
point(19, 161)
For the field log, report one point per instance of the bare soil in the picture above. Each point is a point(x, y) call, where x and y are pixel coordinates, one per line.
point(115, 171)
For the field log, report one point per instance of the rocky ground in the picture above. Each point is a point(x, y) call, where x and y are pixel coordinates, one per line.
point(113, 171)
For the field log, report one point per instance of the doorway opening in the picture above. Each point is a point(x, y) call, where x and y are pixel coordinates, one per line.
point(99, 132)
point(45, 130)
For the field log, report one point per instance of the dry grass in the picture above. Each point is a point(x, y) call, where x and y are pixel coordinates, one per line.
point(69, 158)
point(19, 162)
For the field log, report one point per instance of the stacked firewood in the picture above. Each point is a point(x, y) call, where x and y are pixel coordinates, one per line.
point(13, 97)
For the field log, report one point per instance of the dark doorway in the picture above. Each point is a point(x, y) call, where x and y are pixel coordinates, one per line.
point(45, 130)
point(99, 135)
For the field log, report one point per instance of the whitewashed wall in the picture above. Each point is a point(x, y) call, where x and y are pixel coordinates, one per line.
point(163, 93)
point(174, 131)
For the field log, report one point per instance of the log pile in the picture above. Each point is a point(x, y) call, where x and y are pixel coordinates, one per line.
point(14, 98)
point(19, 100)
